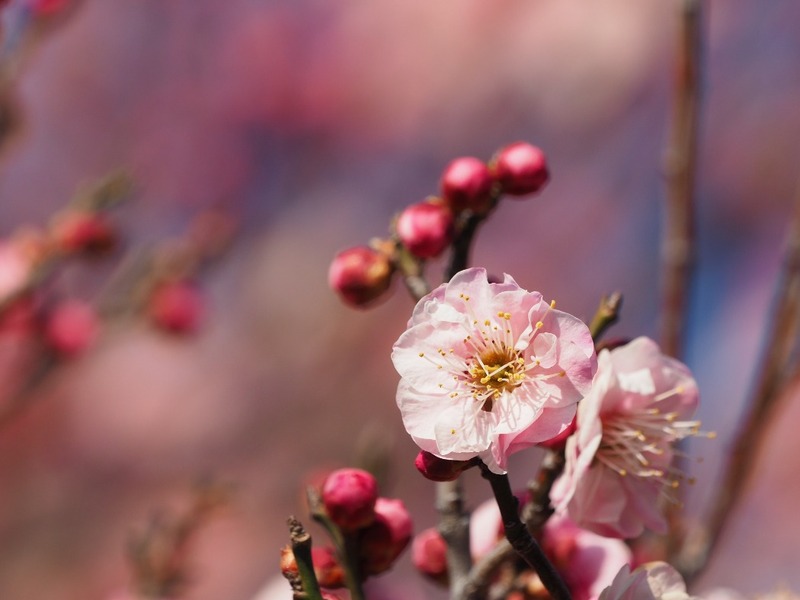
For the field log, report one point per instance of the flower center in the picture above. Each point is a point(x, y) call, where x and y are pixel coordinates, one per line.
point(640, 444)
point(493, 372)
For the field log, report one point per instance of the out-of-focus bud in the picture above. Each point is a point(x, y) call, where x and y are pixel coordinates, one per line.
point(467, 183)
point(360, 275)
point(46, 8)
point(326, 595)
point(520, 168)
point(429, 555)
point(349, 496)
point(85, 232)
point(71, 328)
point(440, 469)
point(176, 306)
point(559, 441)
point(327, 568)
point(384, 540)
point(426, 228)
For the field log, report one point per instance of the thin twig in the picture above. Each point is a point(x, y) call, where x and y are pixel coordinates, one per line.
point(775, 367)
point(680, 158)
point(301, 548)
point(607, 314)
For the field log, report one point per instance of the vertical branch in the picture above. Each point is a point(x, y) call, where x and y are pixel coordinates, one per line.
point(454, 529)
point(775, 365)
point(680, 157)
point(679, 168)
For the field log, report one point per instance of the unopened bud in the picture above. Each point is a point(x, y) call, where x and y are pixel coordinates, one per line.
point(520, 168)
point(429, 555)
point(83, 231)
point(440, 469)
point(176, 307)
point(327, 568)
point(384, 540)
point(71, 327)
point(46, 8)
point(360, 275)
point(426, 228)
point(349, 496)
point(467, 184)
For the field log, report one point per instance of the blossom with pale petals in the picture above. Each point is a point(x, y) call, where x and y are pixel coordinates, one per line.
point(618, 462)
point(651, 581)
point(488, 369)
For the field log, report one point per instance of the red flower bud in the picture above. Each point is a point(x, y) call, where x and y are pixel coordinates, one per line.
point(426, 228)
point(327, 568)
point(176, 307)
point(85, 232)
point(520, 169)
point(71, 327)
point(467, 183)
point(349, 496)
point(360, 275)
point(440, 469)
point(45, 8)
point(384, 540)
point(429, 555)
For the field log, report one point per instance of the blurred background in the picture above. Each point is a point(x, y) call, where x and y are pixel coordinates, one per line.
point(312, 123)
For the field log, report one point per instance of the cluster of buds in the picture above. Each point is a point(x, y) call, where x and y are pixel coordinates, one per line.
point(369, 532)
point(469, 189)
point(66, 326)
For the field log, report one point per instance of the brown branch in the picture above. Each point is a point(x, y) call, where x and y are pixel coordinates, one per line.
point(775, 367)
point(680, 158)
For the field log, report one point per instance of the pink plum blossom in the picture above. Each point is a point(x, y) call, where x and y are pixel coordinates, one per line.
point(488, 369)
point(651, 581)
point(618, 461)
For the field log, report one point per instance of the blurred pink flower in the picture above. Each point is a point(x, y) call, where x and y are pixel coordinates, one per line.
point(618, 461)
point(488, 369)
point(651, 581)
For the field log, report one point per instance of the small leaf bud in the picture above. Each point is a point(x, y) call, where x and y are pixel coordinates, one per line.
point(426, 228)
point(349, 496)
point(360, 275)
point(520, 168)
point(467, 184)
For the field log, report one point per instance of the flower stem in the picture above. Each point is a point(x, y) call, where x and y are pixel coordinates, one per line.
point(301, 548)
point(521, 539)
point(346, 547)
